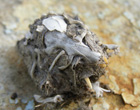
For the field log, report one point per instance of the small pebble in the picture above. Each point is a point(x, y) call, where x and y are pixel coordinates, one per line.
point(14, 96)
point(18, 108)
point(30, 105)
point(16, 101)
point(13, 101)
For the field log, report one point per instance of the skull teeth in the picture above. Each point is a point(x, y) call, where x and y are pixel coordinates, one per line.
point(88, 82)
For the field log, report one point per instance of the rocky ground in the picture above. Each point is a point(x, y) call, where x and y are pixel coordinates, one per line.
point(114, 21)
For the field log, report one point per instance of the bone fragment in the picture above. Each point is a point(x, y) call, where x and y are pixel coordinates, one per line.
point(88, 82)
point(55, 60)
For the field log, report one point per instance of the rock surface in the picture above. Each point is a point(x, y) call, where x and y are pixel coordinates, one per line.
point(114, 21)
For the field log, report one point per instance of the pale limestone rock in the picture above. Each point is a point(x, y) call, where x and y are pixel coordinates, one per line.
point(119, 26)
point(130, 99)
point(136, 83)
point(113, 84)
